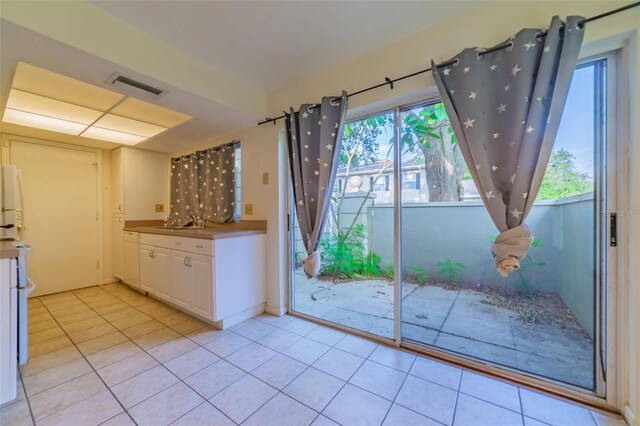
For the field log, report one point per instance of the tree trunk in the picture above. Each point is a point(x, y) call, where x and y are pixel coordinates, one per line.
point(444, 168)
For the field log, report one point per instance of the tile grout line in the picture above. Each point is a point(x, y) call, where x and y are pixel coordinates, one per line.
point(455, 407)
point(205, 400)
point(33, 419)
point(90, 365)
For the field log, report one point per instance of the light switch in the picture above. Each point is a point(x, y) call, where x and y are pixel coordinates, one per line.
point(159, 208)
point(265, 178)
point(248, 209)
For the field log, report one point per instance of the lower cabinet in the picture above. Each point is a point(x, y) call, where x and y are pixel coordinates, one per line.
point(155, 271)
point(192, 282)
point(219, 280)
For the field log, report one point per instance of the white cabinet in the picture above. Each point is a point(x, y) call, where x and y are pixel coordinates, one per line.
point(207, 278)
point(131, 259)
point(8, 329)
point(155, 271)
point(139, 181)
point(117, 237)
point(202, 284)
point(192, 282)
point(181, 288)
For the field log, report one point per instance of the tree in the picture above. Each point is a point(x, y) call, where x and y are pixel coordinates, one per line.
point(430, 131)
point(562, 178)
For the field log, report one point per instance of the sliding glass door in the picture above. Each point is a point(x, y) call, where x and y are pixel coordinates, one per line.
point(355, 286)
point(545, 320)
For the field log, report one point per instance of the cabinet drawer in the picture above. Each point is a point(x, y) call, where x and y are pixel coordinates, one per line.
point(156, 240)
point(193, 245)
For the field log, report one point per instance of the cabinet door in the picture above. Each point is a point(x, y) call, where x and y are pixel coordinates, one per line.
point(131, 264)
point(202, 285)
point(162, 273)
point(181, 288)
point(118, 236)
point(147, 272)
point(117, 184)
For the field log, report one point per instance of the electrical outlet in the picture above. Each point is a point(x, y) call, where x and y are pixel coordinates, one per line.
point(159, 208)
point(265, 178)
point(248, 209)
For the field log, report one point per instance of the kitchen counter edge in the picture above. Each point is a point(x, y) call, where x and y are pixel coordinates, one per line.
point(201, 233)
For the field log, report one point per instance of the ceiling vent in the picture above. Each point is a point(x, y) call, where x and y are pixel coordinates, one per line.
point(127, 84)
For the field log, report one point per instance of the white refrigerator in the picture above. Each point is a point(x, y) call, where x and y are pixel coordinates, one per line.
point(14, 284)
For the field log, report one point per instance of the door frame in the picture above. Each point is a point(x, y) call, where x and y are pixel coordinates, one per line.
point(608, 395)
point(5, 158)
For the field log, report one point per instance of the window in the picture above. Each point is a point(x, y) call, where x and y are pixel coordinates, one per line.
point(382, 185)
point(411, 181)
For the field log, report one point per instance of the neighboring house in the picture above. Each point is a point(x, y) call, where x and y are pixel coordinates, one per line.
point(414, 183)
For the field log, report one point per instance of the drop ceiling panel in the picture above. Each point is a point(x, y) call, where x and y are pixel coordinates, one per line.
point(42, 122)
point(112, 136)
point(36, 80)
point(134, 127)
point(149, 113)
point(28, 102)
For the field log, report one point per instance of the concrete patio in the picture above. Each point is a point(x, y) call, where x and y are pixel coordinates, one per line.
point(455, 320)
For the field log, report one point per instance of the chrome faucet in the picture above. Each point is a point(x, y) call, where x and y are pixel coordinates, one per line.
point(193, 218)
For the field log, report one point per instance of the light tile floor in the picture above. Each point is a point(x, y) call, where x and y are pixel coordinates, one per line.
point(109, 355)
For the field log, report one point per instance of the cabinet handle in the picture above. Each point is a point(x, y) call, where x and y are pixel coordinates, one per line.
point(178, 243)
point(189, 262)
point(186, 263)
point(152, 254)
point(199, 246)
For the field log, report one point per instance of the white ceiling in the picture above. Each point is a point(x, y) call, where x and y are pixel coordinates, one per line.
point(20, 44)
point(268, 44)
point(262, 44)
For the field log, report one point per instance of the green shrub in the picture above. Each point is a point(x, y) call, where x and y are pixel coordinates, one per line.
point(450, 268)
point(420, 275)
point(348, 257)
point(526, 263)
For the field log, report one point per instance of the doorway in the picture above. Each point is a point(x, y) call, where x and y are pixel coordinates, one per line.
point(61, 200)
point(547, 321)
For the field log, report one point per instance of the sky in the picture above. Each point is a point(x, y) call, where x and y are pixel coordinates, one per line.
point(576, 133)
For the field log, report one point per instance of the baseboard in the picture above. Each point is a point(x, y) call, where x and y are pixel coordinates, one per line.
point(275, 310)
point(630, 416)
point(110, 280)
point(240, 316)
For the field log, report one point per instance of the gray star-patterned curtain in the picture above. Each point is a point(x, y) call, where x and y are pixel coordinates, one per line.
point(203, 185)
point(314, 136)
point(505, 109)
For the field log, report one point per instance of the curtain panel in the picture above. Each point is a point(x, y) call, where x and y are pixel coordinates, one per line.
point(314, 136)
point(505, 109)
point(203, 185)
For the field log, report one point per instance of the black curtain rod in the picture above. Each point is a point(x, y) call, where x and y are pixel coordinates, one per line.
point(389, 82)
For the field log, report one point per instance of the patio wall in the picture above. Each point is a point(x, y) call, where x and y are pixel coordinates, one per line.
point(461, 231)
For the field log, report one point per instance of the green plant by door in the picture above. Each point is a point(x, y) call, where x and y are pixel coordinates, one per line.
point(450, 268)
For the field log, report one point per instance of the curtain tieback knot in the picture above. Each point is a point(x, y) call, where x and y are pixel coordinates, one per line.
point(509, 247)
point(312, 264)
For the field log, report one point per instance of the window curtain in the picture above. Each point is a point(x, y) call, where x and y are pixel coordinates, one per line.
point(314, 136)
point(203, 185)
point(505, 109)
